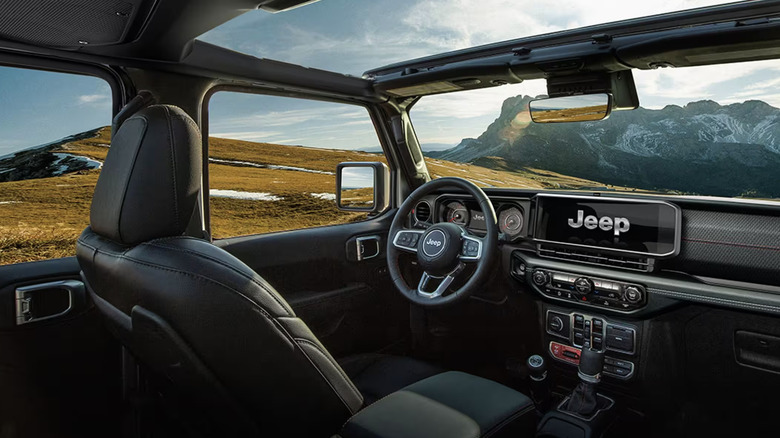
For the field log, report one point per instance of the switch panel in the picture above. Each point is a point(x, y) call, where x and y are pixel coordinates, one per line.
point(599, 333)
point(618, 368)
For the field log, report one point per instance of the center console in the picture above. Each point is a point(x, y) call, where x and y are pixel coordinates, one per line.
point(570, 331)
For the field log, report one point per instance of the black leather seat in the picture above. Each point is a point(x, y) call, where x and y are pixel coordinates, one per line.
point(223, 344)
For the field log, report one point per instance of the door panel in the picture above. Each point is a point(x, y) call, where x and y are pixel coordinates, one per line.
point(58, 376)
point(350, 305)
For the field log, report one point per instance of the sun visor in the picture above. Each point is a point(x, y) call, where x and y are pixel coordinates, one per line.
point(72, 24)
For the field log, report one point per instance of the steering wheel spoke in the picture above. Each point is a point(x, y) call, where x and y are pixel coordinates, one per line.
point(407, 240)
point(444, 284)
point(471, 249)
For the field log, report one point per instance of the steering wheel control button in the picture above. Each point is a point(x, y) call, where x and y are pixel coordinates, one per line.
point(407, 240)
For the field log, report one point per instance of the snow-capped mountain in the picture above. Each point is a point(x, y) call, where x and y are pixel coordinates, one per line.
point(703, 147)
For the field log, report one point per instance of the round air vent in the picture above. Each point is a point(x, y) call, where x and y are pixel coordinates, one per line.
point(422, 211)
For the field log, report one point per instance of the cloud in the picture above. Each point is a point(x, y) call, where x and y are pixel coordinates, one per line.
point(379, 33)
point(94, 99)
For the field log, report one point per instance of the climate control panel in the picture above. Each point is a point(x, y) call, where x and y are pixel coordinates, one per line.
point(585, 289)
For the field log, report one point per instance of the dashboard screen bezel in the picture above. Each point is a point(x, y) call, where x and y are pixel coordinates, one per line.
point(538, 210)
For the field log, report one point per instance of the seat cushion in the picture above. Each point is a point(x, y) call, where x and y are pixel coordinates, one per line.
point(377, 375)
point(451, 404)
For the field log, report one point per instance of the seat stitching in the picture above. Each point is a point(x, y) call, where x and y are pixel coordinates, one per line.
point(332, 387)
point(219, 262)
point(83, 243)
point(338, 368)
point(136, 152)
point(172, 141)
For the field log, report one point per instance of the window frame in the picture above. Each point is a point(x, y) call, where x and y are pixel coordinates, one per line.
point(119, 89)
point(371, 110)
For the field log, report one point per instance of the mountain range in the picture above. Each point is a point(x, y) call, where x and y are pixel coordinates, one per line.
point(702, 148)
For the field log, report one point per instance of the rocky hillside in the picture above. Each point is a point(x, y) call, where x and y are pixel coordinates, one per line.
point(702, 148)
point(48, 160)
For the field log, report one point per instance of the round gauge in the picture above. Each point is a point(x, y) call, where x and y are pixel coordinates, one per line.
point(457, 213)
point(511, 221)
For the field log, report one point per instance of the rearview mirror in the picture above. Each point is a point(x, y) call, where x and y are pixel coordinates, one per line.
point(362, 186)
point(580, 108)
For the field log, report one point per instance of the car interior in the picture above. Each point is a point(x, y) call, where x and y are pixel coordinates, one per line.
point(441, 306)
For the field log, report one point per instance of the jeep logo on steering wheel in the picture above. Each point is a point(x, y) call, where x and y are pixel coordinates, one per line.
point(433, 245)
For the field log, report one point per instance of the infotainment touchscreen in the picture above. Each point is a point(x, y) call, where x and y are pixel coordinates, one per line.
point(643, 227)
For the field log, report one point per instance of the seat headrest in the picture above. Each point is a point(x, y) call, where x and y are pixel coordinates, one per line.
point(149, 184)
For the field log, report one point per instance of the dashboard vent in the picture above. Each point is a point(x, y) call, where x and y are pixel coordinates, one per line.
point(422, 211)
point(632, 262)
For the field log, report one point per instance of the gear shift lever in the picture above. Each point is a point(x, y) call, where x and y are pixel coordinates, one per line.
point(583, 399)
point(540, 387)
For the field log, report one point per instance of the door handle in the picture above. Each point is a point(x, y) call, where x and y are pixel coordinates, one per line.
point(40, 302)
point(367, 247)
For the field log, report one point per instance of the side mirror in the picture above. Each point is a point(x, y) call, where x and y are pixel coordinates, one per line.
point(579, 108)
point(362, 186)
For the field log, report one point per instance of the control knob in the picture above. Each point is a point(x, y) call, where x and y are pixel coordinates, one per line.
point(583, 286)
point(633, 294)
point(556, 324)
point(540, 277)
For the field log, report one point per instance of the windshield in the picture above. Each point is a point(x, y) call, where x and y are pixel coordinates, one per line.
point(711, 131)
point(349, 36)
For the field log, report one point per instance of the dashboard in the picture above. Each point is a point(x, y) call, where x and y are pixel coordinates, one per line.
point(602, 267)
point(658, 251)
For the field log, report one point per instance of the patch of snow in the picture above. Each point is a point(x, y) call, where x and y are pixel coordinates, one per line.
point(325, 196)
point(7, 170)
point(476, 181)
point(10, 202)
point(268, 166)
point(249, 196)
point(638, 140)
point(91, 164)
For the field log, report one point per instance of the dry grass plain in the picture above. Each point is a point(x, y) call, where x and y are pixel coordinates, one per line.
point(41, 218)
point(586, 114)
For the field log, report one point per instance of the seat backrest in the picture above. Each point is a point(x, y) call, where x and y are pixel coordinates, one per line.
point(208, 326)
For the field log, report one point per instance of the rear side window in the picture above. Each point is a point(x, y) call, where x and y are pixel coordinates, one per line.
point(54, 135)
point(272, 161)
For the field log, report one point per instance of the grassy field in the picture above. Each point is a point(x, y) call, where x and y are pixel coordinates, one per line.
point(261, 188)
point(570, 115)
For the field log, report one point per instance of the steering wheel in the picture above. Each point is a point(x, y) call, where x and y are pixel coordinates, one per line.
point(443, 250)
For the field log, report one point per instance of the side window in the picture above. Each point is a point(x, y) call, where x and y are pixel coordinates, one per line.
point(54, 135)
point(272, 161)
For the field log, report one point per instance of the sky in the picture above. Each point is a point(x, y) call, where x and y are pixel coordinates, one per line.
point(352, 36)
point(39, 107)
